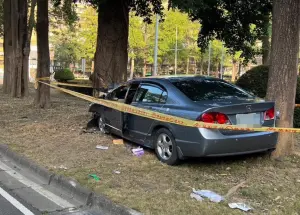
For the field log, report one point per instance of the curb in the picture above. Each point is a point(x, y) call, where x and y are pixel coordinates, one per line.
point(70, 186)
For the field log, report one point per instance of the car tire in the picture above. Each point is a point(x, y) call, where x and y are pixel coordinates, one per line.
point(165, 147)
point(102, 126)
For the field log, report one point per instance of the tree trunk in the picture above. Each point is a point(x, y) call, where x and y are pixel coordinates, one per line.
point(15, 77)
point(187, 65)
point(132, 68)
point(266, 46)
point(42, 30)
point(239, 70)
point(26, 49)
point(112, 42)
point(201, 65)
point(8, 54)
point(283, 70)
point(145, 49)
point(145, 68)
point(234, 70)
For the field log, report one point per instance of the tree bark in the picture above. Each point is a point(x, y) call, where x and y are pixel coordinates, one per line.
point(145, 68)
point(15, 77)
point(42, 30)
point(132, 68)
point(26, 49)
point(112, 42)
point(266, 46)
point(201, 65)
point(145, 49)
point(234, 70)
point(187, 65)
point(8, 54)
point(283, 70)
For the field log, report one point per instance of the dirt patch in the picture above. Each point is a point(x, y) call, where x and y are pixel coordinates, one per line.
point(55, 139)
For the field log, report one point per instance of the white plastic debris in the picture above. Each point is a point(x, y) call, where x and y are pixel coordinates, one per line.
point(212, 196)
point(117, 172)
point(138, 151)
point(102, 147)
point(240, 206)
point(73, 183)
point(197, 197)
point(63, 167)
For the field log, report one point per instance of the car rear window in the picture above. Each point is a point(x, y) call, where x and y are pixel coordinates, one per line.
point(205, 89)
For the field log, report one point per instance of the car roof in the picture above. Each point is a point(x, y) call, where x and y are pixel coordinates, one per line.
point(174, 78)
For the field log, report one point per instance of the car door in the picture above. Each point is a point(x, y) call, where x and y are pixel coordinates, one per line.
point(148, 96)
point(112, 117)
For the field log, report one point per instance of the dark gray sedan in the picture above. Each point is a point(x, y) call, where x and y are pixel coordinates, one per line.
point(198, 98)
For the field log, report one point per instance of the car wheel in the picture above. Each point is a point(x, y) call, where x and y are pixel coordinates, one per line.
point(102, 126)
point(165, 147)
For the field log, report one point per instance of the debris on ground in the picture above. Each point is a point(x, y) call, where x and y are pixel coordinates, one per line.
point(89, 131)
point(138, 151)
point(212, 196)
point(235, 188)
point(102, 147)
point(118, 142)
point(117, 172)
point(95, 177)
point(63, 167)
point(277, 198)
point(240, 206)
point(196, 196)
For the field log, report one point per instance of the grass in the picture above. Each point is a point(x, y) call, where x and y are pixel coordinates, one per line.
point(56, 137)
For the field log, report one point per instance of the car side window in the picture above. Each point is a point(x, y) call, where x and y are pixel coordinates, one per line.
point(118, 94)
point(150, 94)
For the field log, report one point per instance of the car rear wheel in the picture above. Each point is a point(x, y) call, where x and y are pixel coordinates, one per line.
point(165, 147)
point(102, 126)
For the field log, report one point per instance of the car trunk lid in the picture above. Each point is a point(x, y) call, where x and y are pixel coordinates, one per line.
point(245, 113)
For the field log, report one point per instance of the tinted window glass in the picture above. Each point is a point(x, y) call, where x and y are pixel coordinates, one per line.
point(201, 89)
point(150, 94)
point(132, 91)
point(119, 93)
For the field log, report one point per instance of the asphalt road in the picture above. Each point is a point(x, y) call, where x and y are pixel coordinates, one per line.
point(22, 193)
point(7, 208)
point(10, 204)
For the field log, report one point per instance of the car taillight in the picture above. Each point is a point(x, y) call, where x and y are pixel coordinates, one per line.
point(213, 117)
point(269, 114)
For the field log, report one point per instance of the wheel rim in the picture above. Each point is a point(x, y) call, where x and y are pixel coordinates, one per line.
point(101, 125)
point(164, 146)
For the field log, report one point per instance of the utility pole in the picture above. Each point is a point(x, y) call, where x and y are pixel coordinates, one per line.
point(176, 50)
point(154, 73)
point(222, 62)
point(209, 53)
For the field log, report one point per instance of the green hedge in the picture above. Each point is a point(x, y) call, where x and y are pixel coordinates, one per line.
point(256, 80)
point(64, 75)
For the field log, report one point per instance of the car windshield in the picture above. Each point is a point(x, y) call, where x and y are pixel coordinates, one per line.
point(205, 89)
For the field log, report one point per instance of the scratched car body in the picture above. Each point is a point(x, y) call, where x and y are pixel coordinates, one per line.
point(196, 98)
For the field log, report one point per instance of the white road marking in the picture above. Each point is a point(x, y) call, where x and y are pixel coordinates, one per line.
point(39, 189)
point(15, 202)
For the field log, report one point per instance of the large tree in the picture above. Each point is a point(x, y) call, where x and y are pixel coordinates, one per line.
point(17, 35)
point(43, 69)
point(237, 23)
point(284, 67)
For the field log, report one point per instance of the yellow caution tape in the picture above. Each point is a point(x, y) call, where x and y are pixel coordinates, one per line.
point(168, 118)
point(60, 83)
point(36, 83)
point(72, 85)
